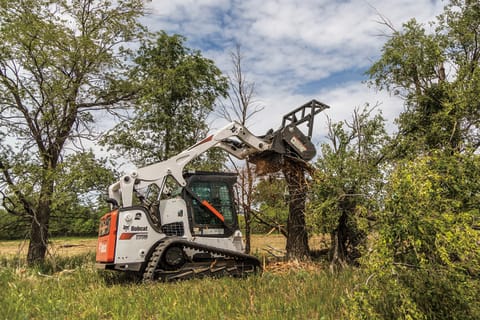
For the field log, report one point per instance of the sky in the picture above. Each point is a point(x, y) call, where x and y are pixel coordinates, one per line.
point(295, 50)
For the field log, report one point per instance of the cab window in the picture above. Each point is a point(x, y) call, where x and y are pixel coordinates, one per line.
point(218, 195)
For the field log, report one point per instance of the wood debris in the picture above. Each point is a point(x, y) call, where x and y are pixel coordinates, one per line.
point(292, 266)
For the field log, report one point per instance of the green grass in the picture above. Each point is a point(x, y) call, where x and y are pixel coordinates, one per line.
point(81, 292)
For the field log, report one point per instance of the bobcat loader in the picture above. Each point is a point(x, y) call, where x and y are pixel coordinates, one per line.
point(168, 224)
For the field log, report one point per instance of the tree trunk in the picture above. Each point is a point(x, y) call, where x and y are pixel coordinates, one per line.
point(37, 248)
point(247, 212)
point(346, 237)
point(297, 239)
point(338, 251)
point(248, 222)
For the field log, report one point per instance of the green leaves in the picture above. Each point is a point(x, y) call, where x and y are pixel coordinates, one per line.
point(59, 65)
point(178, 91)
point(437, 75)
point(424, 256)
point(426, 251)
point(348, 181)
point(433, 201)
point(409, 61)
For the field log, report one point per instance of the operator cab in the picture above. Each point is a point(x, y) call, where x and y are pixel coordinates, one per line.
point(216, 188)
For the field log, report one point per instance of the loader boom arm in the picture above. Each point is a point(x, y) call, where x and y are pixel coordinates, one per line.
point(286, 141)
point(122, 191)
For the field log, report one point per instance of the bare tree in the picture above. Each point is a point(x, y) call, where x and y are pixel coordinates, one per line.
point(241, 106)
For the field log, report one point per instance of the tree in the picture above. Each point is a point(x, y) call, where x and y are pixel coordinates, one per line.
point(270, 197)
point(79, 193)
point(179, 89)
point(77, 201)
point(348, 181)
point(294, 172)
point(425, 260)
point(437, 74)
point(241, 107)
point(60, 63)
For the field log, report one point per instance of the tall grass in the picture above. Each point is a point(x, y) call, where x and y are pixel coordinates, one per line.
point(80, 292)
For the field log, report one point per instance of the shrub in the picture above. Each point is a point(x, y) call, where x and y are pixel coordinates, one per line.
point(425, 259)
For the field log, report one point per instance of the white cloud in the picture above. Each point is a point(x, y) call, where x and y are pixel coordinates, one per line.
point(289, 43)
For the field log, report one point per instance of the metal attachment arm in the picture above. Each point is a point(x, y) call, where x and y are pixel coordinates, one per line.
point(122, 190)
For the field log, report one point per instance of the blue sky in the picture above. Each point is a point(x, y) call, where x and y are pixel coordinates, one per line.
point(295, 50)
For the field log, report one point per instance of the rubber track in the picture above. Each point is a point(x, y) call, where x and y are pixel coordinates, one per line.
point(234, 263)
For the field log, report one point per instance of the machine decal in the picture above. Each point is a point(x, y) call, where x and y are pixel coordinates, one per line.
point(102, 247)
point(137, 228)
point(298, 144)
point(141, 236)
point(140, 232)
point(207, 139)
point(138, 235)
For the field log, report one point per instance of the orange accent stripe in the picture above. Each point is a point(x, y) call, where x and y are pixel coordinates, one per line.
point(213, 210)
point(209, 138)
point(126, 235)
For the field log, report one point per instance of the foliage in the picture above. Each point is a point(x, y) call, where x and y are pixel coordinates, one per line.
point(270, 199)
point(12, 226)
point(438, 76)
point(77, 201)
point(60, 63)
point(348, 183)
point(80, 195)
point(179, 89)
point(425, 260)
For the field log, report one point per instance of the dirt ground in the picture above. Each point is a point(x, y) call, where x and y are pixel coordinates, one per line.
point(62, 246)
point(265, 245)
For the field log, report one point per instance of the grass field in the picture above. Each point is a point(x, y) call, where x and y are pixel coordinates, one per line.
point(73, 289)
point(262, 245)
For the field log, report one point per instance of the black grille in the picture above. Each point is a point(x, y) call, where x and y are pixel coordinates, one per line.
point(173, 229)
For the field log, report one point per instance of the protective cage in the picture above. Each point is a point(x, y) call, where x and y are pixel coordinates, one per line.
point(217, 189)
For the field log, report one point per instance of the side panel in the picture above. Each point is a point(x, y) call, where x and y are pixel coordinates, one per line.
point(234, 242)
point(135, 237)
point(107, 234)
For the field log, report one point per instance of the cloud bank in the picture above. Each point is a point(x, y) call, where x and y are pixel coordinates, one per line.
point(295, 51)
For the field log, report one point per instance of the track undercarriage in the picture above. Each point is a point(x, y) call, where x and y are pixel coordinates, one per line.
point(169, 262)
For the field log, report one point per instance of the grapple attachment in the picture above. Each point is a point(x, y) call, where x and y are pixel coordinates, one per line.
point(289, 140)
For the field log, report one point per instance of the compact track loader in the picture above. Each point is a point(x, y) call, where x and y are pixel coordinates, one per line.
point(168, 224)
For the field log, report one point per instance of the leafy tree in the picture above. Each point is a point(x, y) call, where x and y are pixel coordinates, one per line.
point(438, 76)
point(425, 259)
point(179, 89)
point(60, 63)
point(79, 194)
point(77, 201)
point(348, 182)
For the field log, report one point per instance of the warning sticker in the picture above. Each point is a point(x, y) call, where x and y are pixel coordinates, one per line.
point(298, 144)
